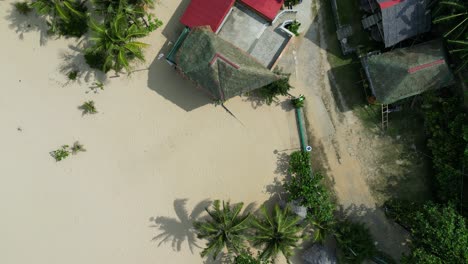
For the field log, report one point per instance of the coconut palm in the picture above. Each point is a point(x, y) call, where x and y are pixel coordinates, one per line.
point(115, 42)
point(224, 229)
point(453, 14)
point(67, 17)
point(277, 233)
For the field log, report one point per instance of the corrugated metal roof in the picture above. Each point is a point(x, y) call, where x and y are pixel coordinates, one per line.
point(268, 8)
point(206, 13)
point(406, 72)
point(402, 19)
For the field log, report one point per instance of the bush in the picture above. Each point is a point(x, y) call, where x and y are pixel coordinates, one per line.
point(88, 108)
point(72, 75)
point(439, 235)
point(298, 102)
point(308, 191)
point(23, 7)
point(60, 153)
point(270, 92)
point(291, 2)
point(294, 27)
point(355, 242)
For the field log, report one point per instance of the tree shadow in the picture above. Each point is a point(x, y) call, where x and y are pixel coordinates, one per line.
point(389, 236)
point(180, 229)
point(74, 60)
point(164, 80)
point(23, 24)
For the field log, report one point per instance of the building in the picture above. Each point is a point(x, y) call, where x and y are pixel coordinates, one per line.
point(402, 73)
point(393, 21)
point(229, 47)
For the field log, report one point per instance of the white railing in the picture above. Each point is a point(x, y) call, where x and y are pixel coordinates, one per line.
point(283, 12)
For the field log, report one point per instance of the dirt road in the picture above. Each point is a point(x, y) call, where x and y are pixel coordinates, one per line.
point(338, 136)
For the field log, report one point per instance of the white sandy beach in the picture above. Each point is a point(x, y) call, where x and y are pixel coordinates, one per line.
point(155, 140)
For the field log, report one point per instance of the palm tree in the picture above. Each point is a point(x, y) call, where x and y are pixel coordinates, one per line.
point(115, 42)
point(277, 233)
point(67, 17)
point(225, 229)
point(454, 15)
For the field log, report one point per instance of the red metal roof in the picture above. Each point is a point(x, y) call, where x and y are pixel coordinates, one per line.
point(268, 8)
point(389, 3)
point(206, 13)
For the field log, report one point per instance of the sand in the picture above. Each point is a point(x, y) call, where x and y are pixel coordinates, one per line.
point(157, 147)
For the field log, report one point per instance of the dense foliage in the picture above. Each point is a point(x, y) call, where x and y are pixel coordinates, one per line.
point(270, 92)
point(440, 235)
point(225, 228)
point(355, 242)
point(308, 191)
point(453, 16)
point(246, 257)
point(114, 38)
point(23, 7)
point(444, 121)
point(294, 27)
point(276, 233)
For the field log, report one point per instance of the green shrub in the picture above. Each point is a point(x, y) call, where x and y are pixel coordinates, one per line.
point(60, 153)
point(88, 108)
point(23, 7)
point(291, 2)
point(298, 102)
point(355, 242)
point(72, 75)
point(270, 92)
point(294, 27)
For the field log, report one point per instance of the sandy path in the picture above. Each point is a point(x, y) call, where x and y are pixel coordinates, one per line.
point(337, 135)
point(155, 142)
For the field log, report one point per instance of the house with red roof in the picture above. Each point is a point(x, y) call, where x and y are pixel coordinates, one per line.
point(229, 47)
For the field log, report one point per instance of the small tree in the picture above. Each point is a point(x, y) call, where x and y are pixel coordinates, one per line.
point(225, 229)
point(277, 233)
point(270, 92)
point(88, 108)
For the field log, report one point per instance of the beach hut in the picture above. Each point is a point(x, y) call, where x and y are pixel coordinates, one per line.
point(402, 73)
point(218, 67)
point(393, 21)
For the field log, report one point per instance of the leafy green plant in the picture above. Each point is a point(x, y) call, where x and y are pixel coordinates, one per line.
point(291, 2)
point(440, 235)
point(67, 17)
point(77, 147)
point(88, 108)
point(354, 241)
point(115, 41)
point(294, 27)
point(270, 92)
point(72, 75)
point(95, 60)
point(298, 102)
point(60, 153)
point(225, 229)
point(97, 85)
point(276, 233)
point(23, 7)
point(245, 257)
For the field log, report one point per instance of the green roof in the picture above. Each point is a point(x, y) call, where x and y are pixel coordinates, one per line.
point(406, 72)
point(219, 67)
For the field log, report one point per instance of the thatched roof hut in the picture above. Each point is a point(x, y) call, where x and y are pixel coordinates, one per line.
point(218, 67)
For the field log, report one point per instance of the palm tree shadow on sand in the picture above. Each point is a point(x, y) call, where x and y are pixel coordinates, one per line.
point(180, 229)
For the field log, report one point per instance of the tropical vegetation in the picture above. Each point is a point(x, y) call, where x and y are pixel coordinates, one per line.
point(439, 232)
point(88, 107)
point(269, 93)
point(294, 27)
point(354, 241)
point(60, 153)
point(452, 15)
point(277, 233)
point(23, 7)
point(225, 229)
point(307, 189)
